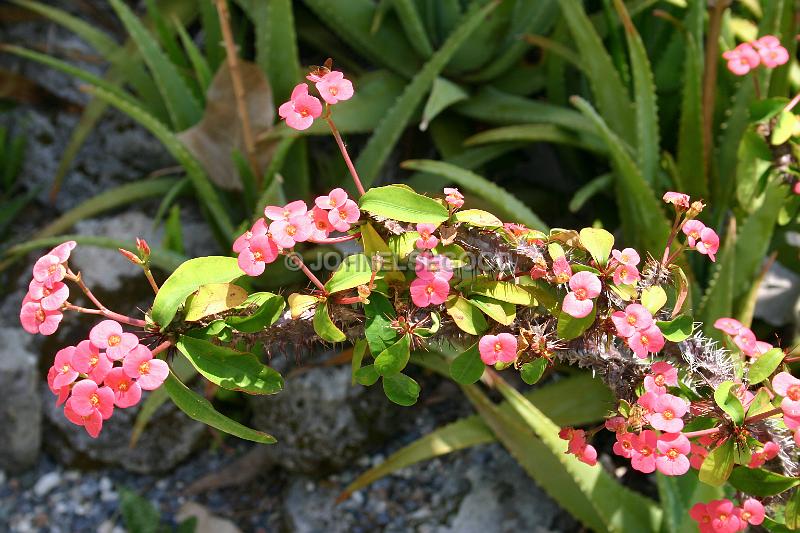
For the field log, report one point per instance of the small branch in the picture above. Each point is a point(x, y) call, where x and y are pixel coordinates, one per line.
point(103, 309)
point(238, 88)
point(702, 432)
point(793, 103)
point(149, 275)
point(346, 156)
point(299, 262)
point(161, 347)
point(106, 313)
point(710, 76)
point(763, 416)
point(754, 75)
point(336, 240)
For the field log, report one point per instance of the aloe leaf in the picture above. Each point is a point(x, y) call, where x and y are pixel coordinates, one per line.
point(588, 191)
point(647, 153)
point(443, 94)
point(609, 92)
point(642, 216)
point(504, 202)
point(199, 64)
point(537, 133)
point(691, 150)
point(469, 159)
point(183, 108)
point(412, 24)
point(387, 133)
point(620, 508)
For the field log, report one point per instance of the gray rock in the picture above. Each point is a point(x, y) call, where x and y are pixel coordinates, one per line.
point(20, 411)
point(777, 295)
point(169, 438)
point(46, 484)
point(321, 421)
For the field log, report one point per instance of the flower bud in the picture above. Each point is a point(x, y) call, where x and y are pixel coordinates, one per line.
point(144, 249)
point(363, 293)
point(377, 262)
point(695, 209)
point(130, 256)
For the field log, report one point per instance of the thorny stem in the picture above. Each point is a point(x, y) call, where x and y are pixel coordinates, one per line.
point(238, 88)
point(299, 262)
point(100, 307)
point(346, 156)
point(748, 420)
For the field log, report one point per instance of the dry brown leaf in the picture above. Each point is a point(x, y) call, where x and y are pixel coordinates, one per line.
point(213, 140)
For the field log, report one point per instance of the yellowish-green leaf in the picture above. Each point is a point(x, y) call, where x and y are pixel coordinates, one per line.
point(466, 316)
point(598, 242)
point(477, 217)
point(213, 298)
point(654, 298)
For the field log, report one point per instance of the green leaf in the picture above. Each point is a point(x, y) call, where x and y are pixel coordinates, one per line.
point(501, 312)
point(383, 140)
point(677, 329)
point(718, 465)
point(198, 408)
point(641, 212)
point(503, 291)
point(784, 127)
point(569, 327)
point(199, 64)
point(760, 482)
point(394, 358)
point(654, 298)
point(367, 375)
point(359, 351)
point(403, 204)
point(324, 326)
point(466, 316)
point(268, 309)
point(401, 389)
point(444, 93)
point(468, 367)
point(599, 243)
point(754, 159)
point(536, 133)
point(230, 369)
point(728, 402)
point(477, 217)
point(763, 367)
point(186, 279)
point(691, 147)
point(213, 298)
point(589, 190)
point(503, 201)
point(181, 105)
point(792, 513)
point(532, 372)
point(355, 270)
point(377, 328)
point(138, 513)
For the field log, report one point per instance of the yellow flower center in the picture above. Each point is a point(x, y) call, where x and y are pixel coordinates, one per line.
point(94, 399)
point(65, 369)
point(660, 380)
point(668, 414)
point(793, 392)
point(257, 256)
point(114, 340)
point(144, 368)
point(123, 386)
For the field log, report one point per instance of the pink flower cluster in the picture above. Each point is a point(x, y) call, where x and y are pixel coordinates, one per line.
point(703, 239)
point(788, 386)
point(453, 197)
point(636, 325)
point(747, 56)
point(578, 446)
point(743, 337)
point(722, 516)
point(500, 348)
point(41, 307)
point(85, 379)
point(584, 286)
point(626, 261)
point(302, 108)
point(293, 223)
point(432, 284)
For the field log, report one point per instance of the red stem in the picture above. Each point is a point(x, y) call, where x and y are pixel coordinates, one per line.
point(335, 240)
point(346, 156)
point(299, 262)
point(102, 309)
point(793, 103)
point(108, 314)
point(161, 347)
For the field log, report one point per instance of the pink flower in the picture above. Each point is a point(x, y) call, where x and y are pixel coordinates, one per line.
point(37, 320)
point(453, 197)
point(585, 286)
point(429, 267)
point(752, 511)
point(108, 335)
point(742, 59)
point(628, 256)
point(286, 233)
point(672, 460)
point(708, 244)
point(647, 340)
point(336, 198)
point(301, 110)
point(678, 199)
point(616, 424)
point(699, 455)
point(320, 224)
point(88, 360)
point(62, 251)
point(65, 373)
point(578, 446)
point(746, 341)
point(761, 348)
point(731, 326)
point(429, 292)
point(626, 275)
point(767, 453)
point(426, 239)
point(334, 87)
point(343, 216)
point(587, 455)
point(788, 386)
point(498, 348)
point(699, 513)
point(127, 392)
point(50, 298)
point(661, 375)
point(634, 317)
point(561, 269)
point(648, 401)
point(88, 398)
point(724, 517)
point(63, 392)
point(667, 413)
point(261, 251)
point(692, 229)
point(292, 209)
point(643, 457)
point(49, 269)
point(243, 241)
point(93, 423)
point(149, 372)
point(771, 52)
point(624, 445)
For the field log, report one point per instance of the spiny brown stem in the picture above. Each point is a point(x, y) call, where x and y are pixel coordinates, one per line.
point(710, 76)
point(346, 156)
point(238, 88)
point(748, 420)
point(299, 262)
